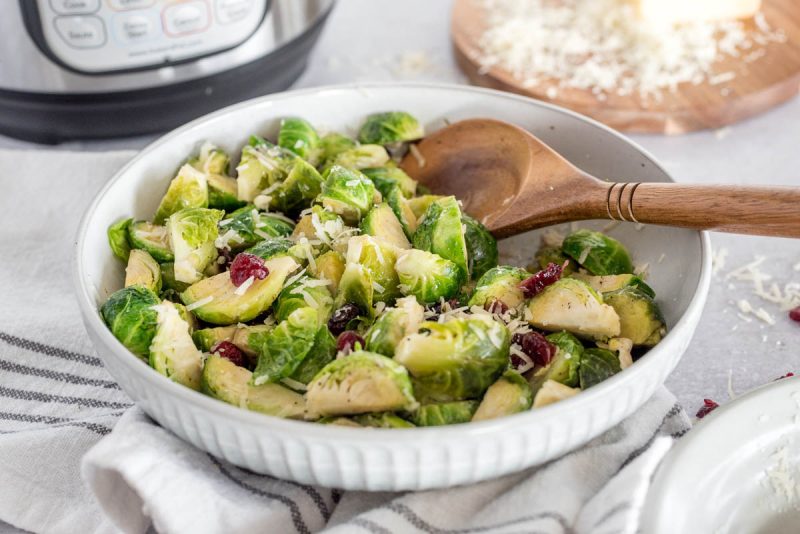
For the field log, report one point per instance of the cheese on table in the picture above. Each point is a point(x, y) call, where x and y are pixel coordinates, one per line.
point(681, 11)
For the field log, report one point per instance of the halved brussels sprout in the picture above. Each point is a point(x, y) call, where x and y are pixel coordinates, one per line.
point(168, 281)
point(552, 392)
point(223, 192)
point(192, 233)
point(377, 259)
point(566, 363)
point(286, 346)
point(118, 239)
point(381, 420)
point(247, 226)
point(355, 287)
point(262, 164)
point(440, 231)
point(347, 193)
point(481, 247)
point(389, 176)
point(640, 319)
point(189, 189)
point(598, 253)
point(304, 292)
point(151, 238)
point(361, 157)
point(614, 282)
point(217, 301)
point(230, 383)
point(330, 266)
point(393, 325)
point(250, 338)
point(572, 305)
point(445, 413)
point(381, 222)
point(547, 255)
point(401, 209)
point(597, 365)
point(419, 205)
point(172, 352)
point(300, 137)
point(509, 395)
point(333, 144)
point(206, 338)
point(269, 248)
point(500, 284)
point(390, 127)
point(323, 352)
point(143, 270)
point(362, 382)
point(426, 276)
point(212, 160)
point(187, 316)
point(455, 360)
point(301, 186)
point(130, 316)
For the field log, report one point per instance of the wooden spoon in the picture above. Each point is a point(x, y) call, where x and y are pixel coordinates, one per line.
point(513, 182)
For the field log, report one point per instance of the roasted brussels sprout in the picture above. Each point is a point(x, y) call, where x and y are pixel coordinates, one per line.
point(269, 248)
point(572, 305)
point(143, 270)
point(330, 266)
point(118, 239)
point(598, 253)
point(393, 325)
point(481, 247)
point(401, 209)
point(455, 360)
point(151, 238)
point(390, 127)
point(355, 287)
point(361, 157)
point(385, 178)
point(217, 301)
point(565, 364)
point(445, 413)
point(375, 261)
point(426, 276)
point(552, 392)
point(381, 222)
point(547, 255)
point(247, 226)
point(172, 352)
point(381, 420)
point(301, 186)
point(323, 352)
point(597, 365)
point(205, 338)
point(500, 284)
point(192, 233)
point(440, 231)
point(509, 395)
point(640, 319)
point(286, 346)
point(362, 382)
point(614, 282)
point(333, 144)
point(419, 205)
point(223, 193)
point(168, 281)
point(304, 292)
point(212, 160)
point(301, 138)
point(189, 189)
point(130, 316)
point(347, 193)
point(262, 165)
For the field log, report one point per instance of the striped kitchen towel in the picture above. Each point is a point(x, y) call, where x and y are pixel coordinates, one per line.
point(76, 456)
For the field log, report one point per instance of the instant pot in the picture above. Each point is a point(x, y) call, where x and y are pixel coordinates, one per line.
point(105, 68)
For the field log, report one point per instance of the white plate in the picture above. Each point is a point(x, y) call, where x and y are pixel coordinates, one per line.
point(737, 471)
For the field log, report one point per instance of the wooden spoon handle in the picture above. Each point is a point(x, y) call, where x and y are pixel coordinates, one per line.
point(767, 210)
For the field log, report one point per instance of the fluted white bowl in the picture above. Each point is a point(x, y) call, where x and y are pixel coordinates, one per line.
point(394, 459)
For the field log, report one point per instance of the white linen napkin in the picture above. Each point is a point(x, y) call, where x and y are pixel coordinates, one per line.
point(58, 407)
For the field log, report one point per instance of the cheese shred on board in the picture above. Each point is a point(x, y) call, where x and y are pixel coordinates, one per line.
point(609, 48)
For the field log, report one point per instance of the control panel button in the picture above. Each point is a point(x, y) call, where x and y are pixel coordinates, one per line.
point(125, 5)
point(133, 28)
point(229, 11)
point(75, 7)
point(81, 31)
point(186, 17)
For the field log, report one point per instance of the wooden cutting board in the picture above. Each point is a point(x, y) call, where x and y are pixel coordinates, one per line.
point(757, 87)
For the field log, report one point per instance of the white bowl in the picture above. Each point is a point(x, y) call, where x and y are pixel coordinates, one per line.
point(370, 459)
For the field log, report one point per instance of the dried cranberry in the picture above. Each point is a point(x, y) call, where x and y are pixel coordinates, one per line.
point(787, 375)
point(708, 407)
point(246, 265)
point(536, 347)
point(338, 321)
point(347, 341)
point(794, 314)
point(497, 306)
point(230, 352)
point(535, 284)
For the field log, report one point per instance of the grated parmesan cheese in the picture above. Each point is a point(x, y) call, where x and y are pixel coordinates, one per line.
point(242, 289)
point(199, 303)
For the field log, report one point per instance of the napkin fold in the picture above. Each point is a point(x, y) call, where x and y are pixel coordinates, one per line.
point(63, 419)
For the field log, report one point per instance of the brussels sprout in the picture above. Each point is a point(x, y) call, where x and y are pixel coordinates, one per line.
point(386, 177)
point(500, 284)
point(614, 282)
point(286, 346)
point(640, 319)
point(377, 260)
point(390, 127)
point(393, 325)
point(247, 226)
point(192, 233)
point(303, 292)
point(151, 238)
point(481, 247)
point(143, 270)
point(565, 364)
point(250, 338)
point(381, 420)
point(347, 193)
point(623, 347)
point(552, 392)
point(330, 266)
point(323, 352)
point(322, 225)
point(445, 413)
point(440, 231)
point(419, 205)
point(355, 287)
point(212, 160)
point(301, 186)
point(426, 276)
point(172, 352)
point(547, 255)
point(455, 360)
point(217, 301)
point(223, 192)
point(230, 383)
point(189, 189)
point(572, 305)
point(362, 382)
point(361, 157)
point(206, 338)
point(118, 239)
point(301, 138)
point(339, 421)
point(333, 144)
point(509, 395)
point(381, 222)
point(269, 248)
point(401, 209)
point(168, 281)
point(596, 366)
point(598, 253)
point(262, 165)
point(130, 316)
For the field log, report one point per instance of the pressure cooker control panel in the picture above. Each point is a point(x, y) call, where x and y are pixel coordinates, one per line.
point(96, 36)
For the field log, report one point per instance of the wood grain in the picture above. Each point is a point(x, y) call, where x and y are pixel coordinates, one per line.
point(758, 86)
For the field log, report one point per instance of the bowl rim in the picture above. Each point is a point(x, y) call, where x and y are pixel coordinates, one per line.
point(263, 422)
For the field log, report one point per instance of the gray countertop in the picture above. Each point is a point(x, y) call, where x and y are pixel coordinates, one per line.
point(387, 40)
